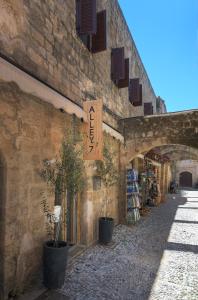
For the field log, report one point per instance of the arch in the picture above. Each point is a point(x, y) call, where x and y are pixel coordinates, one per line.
point(144, 133)
point(185, 179)
point(2, 221)
point(181, 150)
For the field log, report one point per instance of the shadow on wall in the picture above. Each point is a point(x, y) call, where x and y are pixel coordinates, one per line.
point(2, 221)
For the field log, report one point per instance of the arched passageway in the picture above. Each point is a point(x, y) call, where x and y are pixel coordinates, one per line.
point(144, 133)
point(185, 179)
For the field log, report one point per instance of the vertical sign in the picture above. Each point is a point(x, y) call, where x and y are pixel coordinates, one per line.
point(93, 137)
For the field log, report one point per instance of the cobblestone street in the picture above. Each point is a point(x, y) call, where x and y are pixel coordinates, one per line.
point(156, 259)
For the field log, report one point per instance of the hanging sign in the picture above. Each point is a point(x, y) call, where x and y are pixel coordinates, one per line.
point(93, 136)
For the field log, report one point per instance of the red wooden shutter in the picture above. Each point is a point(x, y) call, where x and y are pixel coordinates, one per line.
point(148, 109)
point(122, 83)
point(99, 40)
point(86, 16)
point(134, 91)
point(117, 64)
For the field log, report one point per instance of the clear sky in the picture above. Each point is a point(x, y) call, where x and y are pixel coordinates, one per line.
point(166, 36)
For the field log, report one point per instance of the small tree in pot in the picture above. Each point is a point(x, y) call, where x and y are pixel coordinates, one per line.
point(109, 176)
point(64, 175)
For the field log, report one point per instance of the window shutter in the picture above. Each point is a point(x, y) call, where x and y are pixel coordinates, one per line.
point(117, 64)
point(122, 83)
point(130, 90)
point(99, 40)
point(134, 91)
point(86, 16)
point(140, 95)
point(148, 109)
point(78, 16)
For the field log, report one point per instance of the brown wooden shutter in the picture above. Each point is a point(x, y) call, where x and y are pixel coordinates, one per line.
point(134, 91)
point(99, 40)
point(117, 64)
point(148, 109)
point(122, 83)
point(140, 95)
point(130, 90)
point(86, 16)
point(78, 16)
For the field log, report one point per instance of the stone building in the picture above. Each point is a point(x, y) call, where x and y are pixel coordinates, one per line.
point(46, 72)
point(185, 172)
point(160, 106)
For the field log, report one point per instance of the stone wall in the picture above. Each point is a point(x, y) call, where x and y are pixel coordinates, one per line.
point(32, 130)
point(186, 166)
point(41, 37)
point(144, 133)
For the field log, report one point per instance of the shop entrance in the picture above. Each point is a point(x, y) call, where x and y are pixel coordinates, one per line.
point(185, 179)
point(142, 187)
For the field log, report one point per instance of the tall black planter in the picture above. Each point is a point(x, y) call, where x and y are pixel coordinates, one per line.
point(105, 230)
point(54, 264)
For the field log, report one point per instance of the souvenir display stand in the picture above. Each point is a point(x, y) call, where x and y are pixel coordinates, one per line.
point(151, 188)
point(132, 195)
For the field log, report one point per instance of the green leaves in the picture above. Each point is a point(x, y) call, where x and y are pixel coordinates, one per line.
point(67, 171)
point(106, 168)
point(72, 168)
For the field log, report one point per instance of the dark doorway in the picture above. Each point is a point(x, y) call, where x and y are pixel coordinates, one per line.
point(185, 179)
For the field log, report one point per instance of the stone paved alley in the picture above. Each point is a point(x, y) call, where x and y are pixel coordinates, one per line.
point(156, 259)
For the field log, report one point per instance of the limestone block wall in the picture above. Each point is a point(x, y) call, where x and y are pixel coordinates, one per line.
point(189, 166)
point(30, 131)
point(41, 37)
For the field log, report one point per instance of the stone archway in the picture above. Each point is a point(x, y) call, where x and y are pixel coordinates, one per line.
point(2, 221)
point(185, 179)
point(143, 133)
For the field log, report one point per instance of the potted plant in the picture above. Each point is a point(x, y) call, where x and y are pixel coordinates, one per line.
point(64, 175)
point(109, 176)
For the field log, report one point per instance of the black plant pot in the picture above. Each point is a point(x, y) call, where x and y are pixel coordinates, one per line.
point(54, 264)
point(105, 230)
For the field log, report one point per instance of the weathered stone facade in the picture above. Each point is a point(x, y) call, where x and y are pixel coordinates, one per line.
point(144, 133)
point(40, 37)
point(190, 166)
point(160, 106)
point(32, 131)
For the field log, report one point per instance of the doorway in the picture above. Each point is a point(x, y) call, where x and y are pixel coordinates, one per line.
point(185, 179)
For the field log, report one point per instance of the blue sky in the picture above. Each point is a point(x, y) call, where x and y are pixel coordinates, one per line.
point(166, 36)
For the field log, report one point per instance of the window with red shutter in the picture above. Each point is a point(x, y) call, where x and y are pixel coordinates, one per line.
point(122, 83)
point(117, 64)
point(99, 40)
point(134, 91)
point(86, 16)
point(148, 109)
